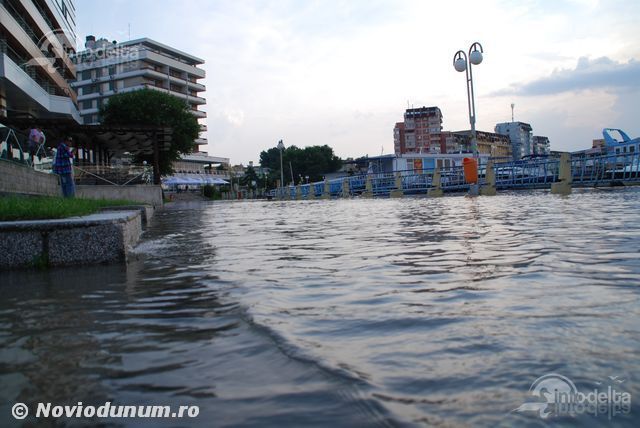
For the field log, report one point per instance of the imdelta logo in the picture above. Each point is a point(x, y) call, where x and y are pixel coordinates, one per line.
point(51, 59)
point(557, 395)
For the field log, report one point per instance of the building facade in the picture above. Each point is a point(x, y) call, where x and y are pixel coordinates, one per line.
point(398, 138)
point(106, 68)
point(540, 145)
point(496, 146)
point(420, 132)
point(520, 136)
point(200, 163)
point(37, 41)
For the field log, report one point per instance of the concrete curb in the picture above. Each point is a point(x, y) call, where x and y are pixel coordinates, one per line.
point(98, 238)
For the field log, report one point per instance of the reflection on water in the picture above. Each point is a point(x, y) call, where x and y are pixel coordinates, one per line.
point(351, 312)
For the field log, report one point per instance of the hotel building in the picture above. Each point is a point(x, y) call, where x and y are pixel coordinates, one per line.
point(37, 40)
point(106, 68)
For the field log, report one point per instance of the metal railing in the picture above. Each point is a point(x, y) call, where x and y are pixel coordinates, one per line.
point(537, 173)
point(116, 175)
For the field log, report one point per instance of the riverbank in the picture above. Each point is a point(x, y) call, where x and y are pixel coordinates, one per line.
point(49, 231)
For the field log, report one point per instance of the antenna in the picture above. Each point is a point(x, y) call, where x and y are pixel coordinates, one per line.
point(129, 31)
point(512, 106)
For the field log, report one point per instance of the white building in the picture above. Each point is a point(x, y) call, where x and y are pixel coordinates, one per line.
point(540, 145)
point(37, 39)
point(107, 68)
point(520, 135)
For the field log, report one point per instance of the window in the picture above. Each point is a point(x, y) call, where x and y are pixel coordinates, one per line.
point(89, 89)
point(112, 85)
point(86, 75)
point(87, 104)
point(112, 70)
point(632, 149)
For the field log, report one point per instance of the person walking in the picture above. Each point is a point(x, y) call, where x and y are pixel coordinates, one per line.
point(36, 139)
point(63, 166)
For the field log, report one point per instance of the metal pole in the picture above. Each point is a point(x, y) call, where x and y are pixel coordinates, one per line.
point(281, 170)
point(472, 111)
point(291, 170)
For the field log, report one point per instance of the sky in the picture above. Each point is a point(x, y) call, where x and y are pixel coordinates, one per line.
point(342, 72)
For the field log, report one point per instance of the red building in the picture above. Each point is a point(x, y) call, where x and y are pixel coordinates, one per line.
point(420, 132)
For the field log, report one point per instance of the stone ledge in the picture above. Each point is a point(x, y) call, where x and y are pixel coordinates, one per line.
point(98, 238)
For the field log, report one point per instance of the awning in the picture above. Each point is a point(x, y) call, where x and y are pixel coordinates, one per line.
point(194, 179)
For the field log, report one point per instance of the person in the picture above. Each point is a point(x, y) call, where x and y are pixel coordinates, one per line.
point(36, 138)
point(63, 166)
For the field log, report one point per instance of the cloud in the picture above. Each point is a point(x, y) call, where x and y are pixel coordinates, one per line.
point(234, 116)
point(600, 73)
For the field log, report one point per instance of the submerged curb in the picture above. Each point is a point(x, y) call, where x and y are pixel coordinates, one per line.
point(97, 238)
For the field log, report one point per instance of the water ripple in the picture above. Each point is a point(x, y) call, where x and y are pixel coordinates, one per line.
point(346, 313)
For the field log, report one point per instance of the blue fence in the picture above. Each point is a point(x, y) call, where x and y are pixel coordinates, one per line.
point(536, 173)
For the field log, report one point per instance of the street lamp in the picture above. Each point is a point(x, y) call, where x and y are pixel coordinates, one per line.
point(460, 64)
point(281, 148)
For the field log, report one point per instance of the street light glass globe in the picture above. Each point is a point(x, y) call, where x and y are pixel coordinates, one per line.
point(475, 57)
point(460, 64)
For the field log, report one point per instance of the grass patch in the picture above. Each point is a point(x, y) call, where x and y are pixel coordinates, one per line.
point(14, 208)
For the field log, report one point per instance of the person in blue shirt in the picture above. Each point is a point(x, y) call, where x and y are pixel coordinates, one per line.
point(62, 165)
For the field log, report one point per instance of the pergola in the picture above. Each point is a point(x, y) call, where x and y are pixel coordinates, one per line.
point(99, 143)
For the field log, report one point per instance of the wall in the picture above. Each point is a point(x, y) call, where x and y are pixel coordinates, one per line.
point(19, 178)
point(143, 193)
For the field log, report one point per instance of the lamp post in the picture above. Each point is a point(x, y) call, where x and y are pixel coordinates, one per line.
point(460, 64)
point(281, 148)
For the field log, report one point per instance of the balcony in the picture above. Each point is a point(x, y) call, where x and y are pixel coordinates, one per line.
point(199, 114)
point(23, 93)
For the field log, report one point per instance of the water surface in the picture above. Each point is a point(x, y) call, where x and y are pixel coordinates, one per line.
point(341, 313)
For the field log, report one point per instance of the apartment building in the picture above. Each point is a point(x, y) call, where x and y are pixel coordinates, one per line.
point(490, 144)
point(37, 40)
point(398, 138)
point(420, 132)
point(540, 145)
point(106, 68)
point(520, 136)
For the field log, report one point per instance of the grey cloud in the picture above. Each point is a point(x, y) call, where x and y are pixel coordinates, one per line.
point(589, 74)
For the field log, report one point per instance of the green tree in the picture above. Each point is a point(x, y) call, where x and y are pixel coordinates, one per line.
point(148, 107)
point(248, 177)
point(312, 161)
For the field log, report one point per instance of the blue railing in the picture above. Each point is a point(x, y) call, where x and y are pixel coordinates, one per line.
point(535, 173)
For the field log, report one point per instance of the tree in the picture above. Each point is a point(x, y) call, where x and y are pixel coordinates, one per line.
point(312, 161)
point(249, 177)
point(148, 107)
